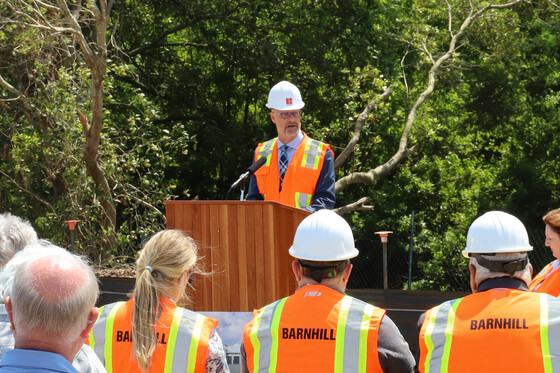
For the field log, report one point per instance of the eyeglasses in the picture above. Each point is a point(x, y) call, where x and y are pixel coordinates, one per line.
point(288, 114)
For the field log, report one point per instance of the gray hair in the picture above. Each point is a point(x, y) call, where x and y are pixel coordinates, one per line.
point(52, 290)
point(483, 273)
point(15, 234)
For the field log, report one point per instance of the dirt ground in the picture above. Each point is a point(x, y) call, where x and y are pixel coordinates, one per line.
point(122, 271)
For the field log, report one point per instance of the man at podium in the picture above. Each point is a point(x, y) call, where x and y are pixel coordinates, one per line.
point(298, 171)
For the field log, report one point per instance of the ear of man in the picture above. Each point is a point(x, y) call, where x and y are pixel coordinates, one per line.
point(8, 305)
point(472, 270)
point(297, 270)
point(92, 318)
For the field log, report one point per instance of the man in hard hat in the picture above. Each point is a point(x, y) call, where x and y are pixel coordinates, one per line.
point(501, 327)
point(298, 171)
point(319, 328)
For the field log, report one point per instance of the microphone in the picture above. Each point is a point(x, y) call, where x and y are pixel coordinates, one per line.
point(251, 170)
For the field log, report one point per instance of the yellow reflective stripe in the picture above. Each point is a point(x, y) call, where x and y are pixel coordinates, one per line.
point(317, 158)
point(545, 346)
point(108, 353)
point(302, 200)
point(340, 331)
point(364, 331)
point(255, 341)
point(428, 338)
point(312, 154)
point(449, 336)
point(170, 351)
point(274, 328)
point(304, 159)
point(266, 150)
point(194, 342)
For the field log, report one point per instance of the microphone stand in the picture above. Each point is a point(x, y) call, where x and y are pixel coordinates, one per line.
point(242, 189)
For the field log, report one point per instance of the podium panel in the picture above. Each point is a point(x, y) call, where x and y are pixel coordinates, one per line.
point(244, 244)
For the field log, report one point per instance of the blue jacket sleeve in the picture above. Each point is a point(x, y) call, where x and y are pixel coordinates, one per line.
point(324, 197)
point(253, 192)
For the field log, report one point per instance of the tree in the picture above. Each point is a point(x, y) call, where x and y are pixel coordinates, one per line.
point(85, 25)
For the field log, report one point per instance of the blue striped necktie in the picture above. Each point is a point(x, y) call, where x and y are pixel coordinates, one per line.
point(283, 165)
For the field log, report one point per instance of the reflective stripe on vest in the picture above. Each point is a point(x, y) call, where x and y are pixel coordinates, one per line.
point(550, 334)
point(302, 200)
point(439, 334)
point(351, 349)
point(266, 349)
point(312, 154)
point(102, 332)
point(185, 333)
point(266, 151)
point(351, 342)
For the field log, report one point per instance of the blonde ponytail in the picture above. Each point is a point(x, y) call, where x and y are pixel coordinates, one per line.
point(165, 258)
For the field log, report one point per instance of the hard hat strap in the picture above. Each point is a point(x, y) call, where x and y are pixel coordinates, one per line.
point(504, 266)
point(320, 273)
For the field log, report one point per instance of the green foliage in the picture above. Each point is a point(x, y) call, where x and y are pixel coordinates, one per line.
point(185, 94)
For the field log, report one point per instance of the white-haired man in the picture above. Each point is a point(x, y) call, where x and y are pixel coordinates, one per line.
point(15, 234)
point(501, 327)
point(51, 306)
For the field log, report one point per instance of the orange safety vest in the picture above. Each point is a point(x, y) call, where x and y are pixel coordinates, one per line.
point(317, 329)
point(301, 176)
point(182, 339)
point(547, 281)
point(498, 330)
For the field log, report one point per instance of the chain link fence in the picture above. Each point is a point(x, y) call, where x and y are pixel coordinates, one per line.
point(368, 266)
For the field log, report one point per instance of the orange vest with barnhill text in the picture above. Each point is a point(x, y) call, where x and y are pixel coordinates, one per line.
point(182, 339)
point(301, 176)
point(547, 282)
point(317, 329)
point(498, 330)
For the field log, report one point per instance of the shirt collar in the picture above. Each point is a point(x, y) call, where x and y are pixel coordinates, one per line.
point(502, 282)
point(294, 143)
point(40, 360)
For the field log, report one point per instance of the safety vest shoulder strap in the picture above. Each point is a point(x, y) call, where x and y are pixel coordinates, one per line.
point(313, 150)
point(189, 332)
point(356, 320)
point(264, 335)
point(547, 281)
point(265, 150)
point(435, 331)
point(101, 335)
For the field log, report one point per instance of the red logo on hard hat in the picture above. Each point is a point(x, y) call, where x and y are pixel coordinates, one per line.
point(289, 101)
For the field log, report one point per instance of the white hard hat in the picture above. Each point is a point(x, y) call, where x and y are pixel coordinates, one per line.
point(323, 236)
point(284, 96)
point(496, 232)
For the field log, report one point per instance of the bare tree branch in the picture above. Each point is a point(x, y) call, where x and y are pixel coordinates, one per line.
point(360, 122)
point(359, 205)
point(27, 191)
point(8, 87)
point(371, 176)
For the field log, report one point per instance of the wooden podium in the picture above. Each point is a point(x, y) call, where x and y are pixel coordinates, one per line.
point(245, 245)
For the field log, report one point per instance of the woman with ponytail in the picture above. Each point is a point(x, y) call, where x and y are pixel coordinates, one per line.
point(150, 332)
